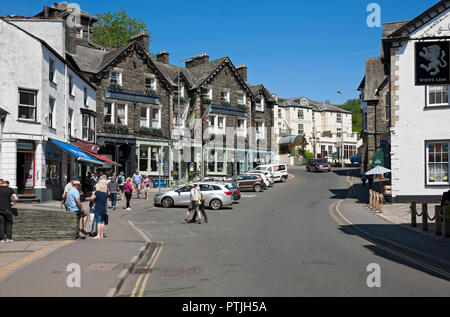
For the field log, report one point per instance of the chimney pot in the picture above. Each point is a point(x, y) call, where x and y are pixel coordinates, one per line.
point(242, 71)
point(45, 11)
point(163, 57)
point(197, 60)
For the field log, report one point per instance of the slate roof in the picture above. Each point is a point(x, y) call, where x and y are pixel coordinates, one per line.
point(388, 29)
point(315, 106)
point(256, 89)
point(61, 11)
point(201, 72)
point(88, 59)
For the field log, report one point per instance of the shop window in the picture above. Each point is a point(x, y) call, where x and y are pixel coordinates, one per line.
point(437, 163)
point(143, 158)
point(216, 161)
point(27, 105)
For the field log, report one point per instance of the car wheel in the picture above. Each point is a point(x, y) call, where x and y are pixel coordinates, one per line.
point(257, 188)
point(215, 204)
point(284, 179)
point(167, 202)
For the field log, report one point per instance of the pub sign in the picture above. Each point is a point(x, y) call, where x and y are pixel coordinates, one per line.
point(432, 63)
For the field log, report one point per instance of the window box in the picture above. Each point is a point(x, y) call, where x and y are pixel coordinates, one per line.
point(115, 87)
point(150, 131)
point(225, 103)
point(109, 128)
point(151, 92)
point(206, 101)
point(242, 106)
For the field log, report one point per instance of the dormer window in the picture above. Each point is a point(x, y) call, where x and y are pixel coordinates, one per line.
point(115, 78)
point(150, 83)
point(260, 103)
point(225, 95)
point(242, 99)
point(207, 93)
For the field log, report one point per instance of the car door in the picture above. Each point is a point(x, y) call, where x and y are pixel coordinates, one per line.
point(207, 191)
point(183, 197)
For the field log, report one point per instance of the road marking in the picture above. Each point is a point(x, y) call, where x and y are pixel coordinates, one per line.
point(151, 262)
point(144, 283)
point(31, 257)
point(248, 196)
point(389, 250)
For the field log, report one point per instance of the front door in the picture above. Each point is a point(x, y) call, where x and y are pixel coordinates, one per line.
point(25, 172)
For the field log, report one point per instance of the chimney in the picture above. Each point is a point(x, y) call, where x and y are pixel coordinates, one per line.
point(55, 5)
point(142, 39)
point(242, 70)
point(163, 57)
point(197, 60)
point(46, 11)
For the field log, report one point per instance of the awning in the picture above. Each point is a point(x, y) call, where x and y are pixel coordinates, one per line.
point(81, 155)
point(102, 158)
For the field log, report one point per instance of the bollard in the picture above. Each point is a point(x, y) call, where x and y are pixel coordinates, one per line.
point(437, 211)
point(370, 197)
point(424, 217)
point(381, 205)
point(413, 214)
point(446, 221)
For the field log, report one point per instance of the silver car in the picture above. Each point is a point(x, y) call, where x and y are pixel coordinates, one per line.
point(217, 196)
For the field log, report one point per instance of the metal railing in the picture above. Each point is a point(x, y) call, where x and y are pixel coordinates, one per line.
point(441, 218)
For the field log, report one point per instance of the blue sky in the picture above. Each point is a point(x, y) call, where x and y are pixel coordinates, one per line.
point(295, 47)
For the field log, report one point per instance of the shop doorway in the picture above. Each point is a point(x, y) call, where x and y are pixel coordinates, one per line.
point(25, 172)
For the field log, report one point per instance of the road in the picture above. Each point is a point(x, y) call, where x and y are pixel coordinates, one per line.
point(282, 242)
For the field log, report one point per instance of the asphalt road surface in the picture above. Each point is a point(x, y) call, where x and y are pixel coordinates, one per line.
point(282, 242)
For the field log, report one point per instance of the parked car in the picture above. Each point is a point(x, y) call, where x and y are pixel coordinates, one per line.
point(217, 196)
point(267, 174)
point(356, 159)
point(317, 165)
point(278, 170)
point(252, 182)
point(263, 176)
point(231, 184)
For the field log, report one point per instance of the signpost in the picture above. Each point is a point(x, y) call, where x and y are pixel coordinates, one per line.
point(432, 63)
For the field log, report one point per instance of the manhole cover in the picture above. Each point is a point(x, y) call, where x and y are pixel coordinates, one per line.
point(101, 266)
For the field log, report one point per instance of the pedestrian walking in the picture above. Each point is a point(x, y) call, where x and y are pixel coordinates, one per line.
point(202, 200)
point(128, 190)
point(100, 197)
point(121, 182)
point(6, 216)
point(73, 203)
point(364, 178)
point(113, 187)
point(146, 184)
point(137, 180)
point(193, 205)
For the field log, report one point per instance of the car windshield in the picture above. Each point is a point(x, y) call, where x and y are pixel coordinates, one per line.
point(320, 162)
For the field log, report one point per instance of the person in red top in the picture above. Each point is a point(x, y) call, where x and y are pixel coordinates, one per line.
point(128, 190)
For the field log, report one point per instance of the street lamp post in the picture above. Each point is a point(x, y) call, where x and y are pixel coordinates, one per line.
point(342, 128)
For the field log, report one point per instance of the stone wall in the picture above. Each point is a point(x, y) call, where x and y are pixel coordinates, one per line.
point(45, 225)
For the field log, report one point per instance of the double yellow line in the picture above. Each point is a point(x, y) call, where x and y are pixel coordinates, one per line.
point(405, 257)
point(149, 265)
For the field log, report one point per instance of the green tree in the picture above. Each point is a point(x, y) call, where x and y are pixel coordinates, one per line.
point(114, 29)
point(354, 106)
point(308, 155)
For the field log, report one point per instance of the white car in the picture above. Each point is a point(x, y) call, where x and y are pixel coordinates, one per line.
point(278, 170)
point(263, 176)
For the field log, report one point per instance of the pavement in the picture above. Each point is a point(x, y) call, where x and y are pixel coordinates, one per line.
point(104, 264)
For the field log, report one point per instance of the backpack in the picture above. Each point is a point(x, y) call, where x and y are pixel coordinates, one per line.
point(202, 198)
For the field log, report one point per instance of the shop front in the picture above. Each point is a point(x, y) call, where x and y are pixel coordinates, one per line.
point(118, 149)
point(53, 172)
point(154, 158)
point(26, 162)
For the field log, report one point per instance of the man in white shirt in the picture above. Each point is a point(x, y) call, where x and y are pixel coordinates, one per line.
point(194, 205)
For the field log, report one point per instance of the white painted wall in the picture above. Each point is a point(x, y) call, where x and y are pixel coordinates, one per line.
point(415, 125)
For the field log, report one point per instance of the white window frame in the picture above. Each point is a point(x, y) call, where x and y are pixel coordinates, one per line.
point(126, 113)
point(112, 112)
point(427, 166)
point(216, 161)
point(242, 99)
point(80, 34)
point(262, 133)
point(260, 106)
point(90, 127)
point(158, 120)
point(118, 78)
point(241, 131)
point(147, 119)
point(302, 129)
point(339, 118)
point(51, 111)
point(28, 106)
point(152, 84)
point(51, 70)
point(300, 114)
point(225, 95)
point(434, 88)
point(214, 124)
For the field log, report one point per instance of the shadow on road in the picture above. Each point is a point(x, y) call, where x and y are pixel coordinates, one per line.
point(389, 232)
point(355, 172)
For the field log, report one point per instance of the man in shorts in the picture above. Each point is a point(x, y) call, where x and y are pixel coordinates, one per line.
point(137, 180)
point(73, 203)
point(194, 205)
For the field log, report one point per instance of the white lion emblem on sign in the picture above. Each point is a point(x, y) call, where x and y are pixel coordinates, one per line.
point(433, 55)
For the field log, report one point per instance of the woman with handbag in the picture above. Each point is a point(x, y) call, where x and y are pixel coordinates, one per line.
point(128, 190)
point(100, 197)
